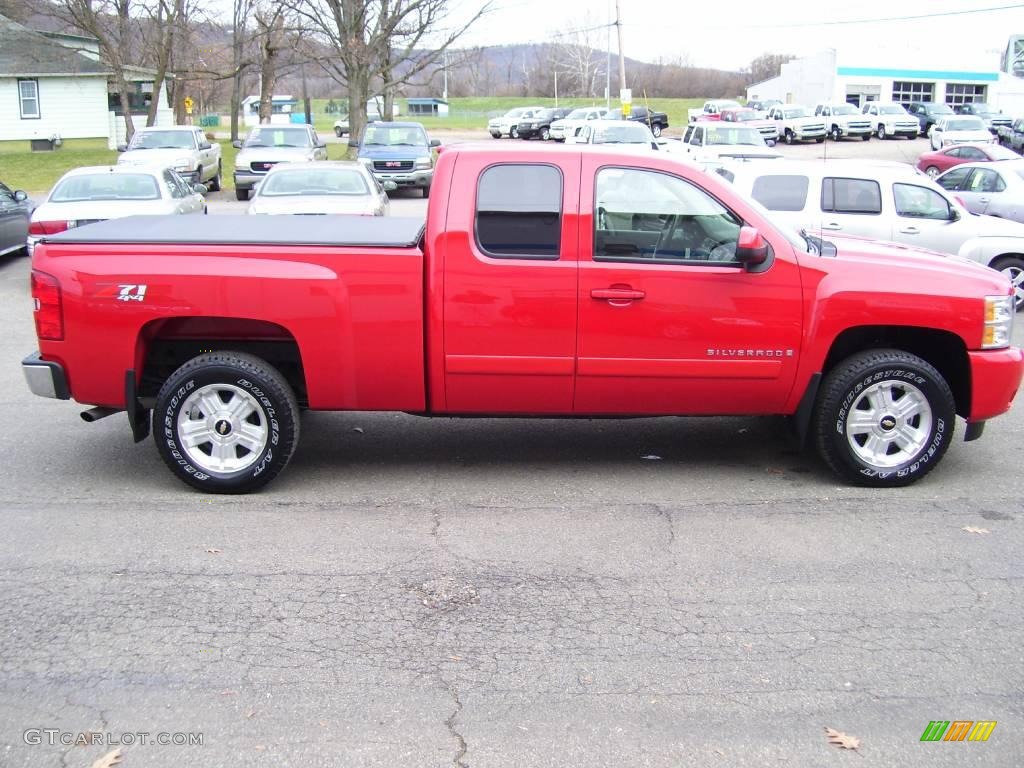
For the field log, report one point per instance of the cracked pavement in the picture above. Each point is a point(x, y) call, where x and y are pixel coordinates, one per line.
point(479, 593)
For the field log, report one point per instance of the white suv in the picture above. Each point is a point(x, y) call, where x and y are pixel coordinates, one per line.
point(796, 123)
point(842, 120)
point(891, 119)
point(960, 129)
point(882, 201)
point(508, 124)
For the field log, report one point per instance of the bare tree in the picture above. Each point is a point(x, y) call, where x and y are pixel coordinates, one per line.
point(270, 26)
point(574, 54)
point(382, 43)
point(241, 10)
point(767, 66)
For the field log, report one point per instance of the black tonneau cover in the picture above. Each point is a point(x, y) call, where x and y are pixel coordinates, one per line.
point(356, 231)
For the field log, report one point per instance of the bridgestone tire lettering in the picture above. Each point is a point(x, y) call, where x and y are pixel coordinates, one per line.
point(843, 386)
point(267, 387)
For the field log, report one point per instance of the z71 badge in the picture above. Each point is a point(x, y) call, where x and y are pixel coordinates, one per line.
point(132, 293)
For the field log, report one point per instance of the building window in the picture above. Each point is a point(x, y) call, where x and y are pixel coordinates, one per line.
point(28, 99)
point(961, 93)
point(904, 93)
point(140, 96)
point(519, 211)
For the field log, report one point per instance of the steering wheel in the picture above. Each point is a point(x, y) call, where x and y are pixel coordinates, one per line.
point(666, 235)
point(721, 251)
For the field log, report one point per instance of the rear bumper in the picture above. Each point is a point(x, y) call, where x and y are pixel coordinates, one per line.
point(45, 378)
point(995, 379)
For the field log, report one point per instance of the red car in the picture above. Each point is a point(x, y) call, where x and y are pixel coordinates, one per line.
point(934, 163)
point(558, 281)
point(767, 128)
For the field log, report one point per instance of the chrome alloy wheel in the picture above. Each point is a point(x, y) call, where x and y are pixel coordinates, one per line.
point(889, 424)
point(223, 428)
point(1016, 275)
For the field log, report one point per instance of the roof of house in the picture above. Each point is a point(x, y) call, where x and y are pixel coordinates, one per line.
point(27, 53)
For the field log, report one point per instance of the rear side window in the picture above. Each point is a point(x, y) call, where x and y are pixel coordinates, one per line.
point(519, 211)
point(781, 192)
point(850, 196)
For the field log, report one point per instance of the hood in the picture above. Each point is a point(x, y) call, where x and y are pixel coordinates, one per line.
point(273, 155)
point(863, 249)
point(163, 158)
point(381, 152)
point(739, 151)
point(101, 209)
point(314, 204)
point(994, 226)
point(810, 120)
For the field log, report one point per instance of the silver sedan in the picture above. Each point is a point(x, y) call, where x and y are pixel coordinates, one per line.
point(96, 193)
point(995, 189)
point(321, 188)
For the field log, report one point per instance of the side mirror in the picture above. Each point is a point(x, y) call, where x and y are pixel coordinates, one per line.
point(237, 143)
point(353, 144)
point(321, 145)
point(20, 196)
point(205, 145)
point(122, 147)
point(435, 142)
point(200, 189)
point(751, 247)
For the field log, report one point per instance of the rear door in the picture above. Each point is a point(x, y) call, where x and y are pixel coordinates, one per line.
point(669, 321)
point(852, 206)
point(509, 301)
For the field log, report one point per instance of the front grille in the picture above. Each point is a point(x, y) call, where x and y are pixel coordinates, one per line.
point(815, 127)
point(865, 126)
point(392, 165)
point(261, 167)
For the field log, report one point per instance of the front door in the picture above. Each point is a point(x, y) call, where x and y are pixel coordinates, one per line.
point(925, 219)
point(510, 273)
point(670, 322)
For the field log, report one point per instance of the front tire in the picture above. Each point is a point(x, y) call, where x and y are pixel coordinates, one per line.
point(866, 137)
point(215, 182)
point(656, 130)
point(881, 132)
point(241, 194)
point(425, 191)
point(884, 418)
point(513, 132)
point(545, 134)
point(1013, 268)
point(226, 422)
point(931, 171)
point(836, 133)
point(789, 136)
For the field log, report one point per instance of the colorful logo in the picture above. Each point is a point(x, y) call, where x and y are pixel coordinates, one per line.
point(958, 730)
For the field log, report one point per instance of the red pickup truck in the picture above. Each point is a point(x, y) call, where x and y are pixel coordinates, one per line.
point(545, 282)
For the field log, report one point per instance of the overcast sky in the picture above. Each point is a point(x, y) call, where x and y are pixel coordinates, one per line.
point(729, 33)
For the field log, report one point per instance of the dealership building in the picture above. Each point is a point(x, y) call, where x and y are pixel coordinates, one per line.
point(868, 74)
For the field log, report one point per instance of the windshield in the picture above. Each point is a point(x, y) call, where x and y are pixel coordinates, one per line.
point(939, 109)
point(966, 124)
point(844, 109)
point(981, 108)
point(744, 115)
point(278, 136)
point(577, 114)
point(733, 134)
point(515, 112)
point(728, 105)
point(395, 136)
point(106, 186)
point(170, 139)
point(627, 133)
point(794, 112)
point(314, 181)
point(892, 109)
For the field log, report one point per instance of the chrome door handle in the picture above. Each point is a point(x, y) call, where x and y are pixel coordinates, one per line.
point(617, 294)
point(832, 225)
point(910, 231)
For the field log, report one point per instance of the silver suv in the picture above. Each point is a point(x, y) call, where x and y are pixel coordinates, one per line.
point(882, 201)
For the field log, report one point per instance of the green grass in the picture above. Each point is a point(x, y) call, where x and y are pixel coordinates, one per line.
point(473, 113)
point(20, 168)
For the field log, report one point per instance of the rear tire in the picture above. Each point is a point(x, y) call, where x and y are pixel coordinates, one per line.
point(226, 422)
point(884, 418)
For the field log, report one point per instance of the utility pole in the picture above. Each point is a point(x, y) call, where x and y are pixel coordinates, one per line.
point(622, 58)
point(608, 64)
point(556, 86)
point(445, 94)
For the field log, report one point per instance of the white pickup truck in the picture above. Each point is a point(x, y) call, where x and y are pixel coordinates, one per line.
point(710, 141)
point(712, 110)
point(843, 121)
point(796, 123)
point(889, 119)
point(184, 148)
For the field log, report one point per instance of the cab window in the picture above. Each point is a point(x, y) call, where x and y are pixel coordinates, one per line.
point(781, 192)
point(519, 211)
point(647, 216)
point(917, 202)
point(861, 196)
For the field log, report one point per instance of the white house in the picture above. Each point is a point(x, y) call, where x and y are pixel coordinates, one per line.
point(54, 85)
point(867, 73)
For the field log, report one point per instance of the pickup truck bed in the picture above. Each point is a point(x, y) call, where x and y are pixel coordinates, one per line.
point(362, 232)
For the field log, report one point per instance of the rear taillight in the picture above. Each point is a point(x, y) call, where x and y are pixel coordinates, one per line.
point(48, 312)
point(47, 227)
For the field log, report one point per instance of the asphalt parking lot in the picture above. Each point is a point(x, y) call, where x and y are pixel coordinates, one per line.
point(484, 592)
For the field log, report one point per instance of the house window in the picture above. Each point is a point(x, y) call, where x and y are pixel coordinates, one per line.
point(519, 211)
point(28, 99)
point(961, 93)
point(904, 93)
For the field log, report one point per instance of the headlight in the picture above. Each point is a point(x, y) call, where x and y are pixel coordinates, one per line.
point(422, 162)
point(999, 312)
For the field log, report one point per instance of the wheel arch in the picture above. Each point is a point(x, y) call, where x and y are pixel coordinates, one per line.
point(944, 350)
point(163, 345)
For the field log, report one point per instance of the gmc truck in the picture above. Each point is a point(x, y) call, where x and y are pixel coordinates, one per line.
point(556, 281)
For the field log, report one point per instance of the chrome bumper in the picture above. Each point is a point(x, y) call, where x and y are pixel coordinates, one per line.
point(45, 378)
